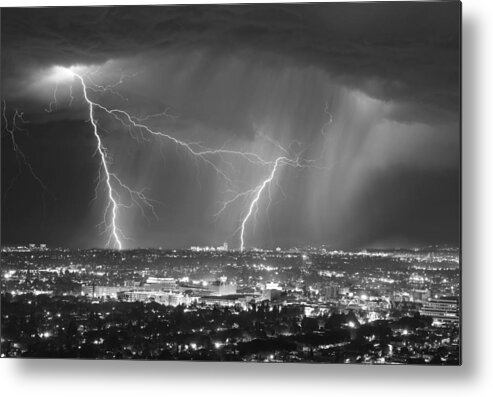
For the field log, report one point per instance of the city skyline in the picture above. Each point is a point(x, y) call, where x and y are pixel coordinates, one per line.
point(365, 121)
point(314, 306)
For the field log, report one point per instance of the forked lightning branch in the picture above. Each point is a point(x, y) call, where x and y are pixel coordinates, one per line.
point(119, 196)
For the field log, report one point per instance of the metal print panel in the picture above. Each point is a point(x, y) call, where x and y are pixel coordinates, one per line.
point(267, 182)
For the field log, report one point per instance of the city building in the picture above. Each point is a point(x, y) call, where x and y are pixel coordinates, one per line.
point(222, 287)
point(420, 295)
point(222, 248)
point(161, 283)
point(164, 298)
point(101, 291)
point(331, 291)
point(229, 300)
point(443, 310)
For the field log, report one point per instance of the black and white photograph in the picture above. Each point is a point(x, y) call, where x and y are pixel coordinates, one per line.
point(263, 183)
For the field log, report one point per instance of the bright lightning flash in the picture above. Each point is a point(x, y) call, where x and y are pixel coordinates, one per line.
point(104, 162)
point(258, 191)
point(196, 150)
point(109, 178)
point(113, 183)
point(256, 197)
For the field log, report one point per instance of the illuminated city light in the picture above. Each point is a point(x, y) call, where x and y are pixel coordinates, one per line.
point(198, 299)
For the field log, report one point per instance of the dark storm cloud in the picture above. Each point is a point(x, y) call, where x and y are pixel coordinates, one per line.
point(388, 73)
point(406, 52)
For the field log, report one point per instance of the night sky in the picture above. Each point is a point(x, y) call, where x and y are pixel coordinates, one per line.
point(370, 92)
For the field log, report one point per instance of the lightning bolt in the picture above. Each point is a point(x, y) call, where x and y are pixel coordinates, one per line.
point(21, 156)
point(253, 196)
point(113, 204)
point(53, 103)
point(109, 178)
point(329, 122)
point(115, 188)
point(165, 113)
point(131, 122)
point(70, 95)
point(257, 192)
point(196, 150)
